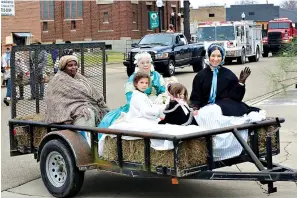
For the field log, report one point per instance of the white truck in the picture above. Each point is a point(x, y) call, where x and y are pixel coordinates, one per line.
point(241, 39)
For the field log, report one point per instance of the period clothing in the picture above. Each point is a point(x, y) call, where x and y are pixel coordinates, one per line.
point(178, 113)
point(142, 109)
point(68, 99)
point(156, 88)
point(219, 85)
point(229, 93)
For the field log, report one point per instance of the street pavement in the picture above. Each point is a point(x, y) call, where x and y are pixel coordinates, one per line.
point(20, 175)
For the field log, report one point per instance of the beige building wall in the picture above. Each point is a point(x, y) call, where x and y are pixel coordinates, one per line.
point(208, 13)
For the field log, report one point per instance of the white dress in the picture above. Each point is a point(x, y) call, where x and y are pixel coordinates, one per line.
point(142, 109)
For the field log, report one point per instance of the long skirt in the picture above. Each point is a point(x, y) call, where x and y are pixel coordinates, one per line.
point(233, 108)
point(112, 116)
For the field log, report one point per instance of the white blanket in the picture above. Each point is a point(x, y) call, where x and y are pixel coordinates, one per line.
point(210, 117)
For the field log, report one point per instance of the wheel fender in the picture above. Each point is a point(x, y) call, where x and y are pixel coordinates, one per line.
point(171, 58)
point(79, 146)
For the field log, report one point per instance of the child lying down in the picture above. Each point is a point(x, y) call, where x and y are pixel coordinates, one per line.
point(144, 116)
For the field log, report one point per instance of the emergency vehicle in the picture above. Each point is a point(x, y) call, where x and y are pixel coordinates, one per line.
point(281, 32)
point(241, 39)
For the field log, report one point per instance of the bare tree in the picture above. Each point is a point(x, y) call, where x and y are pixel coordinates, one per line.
point(285, 74)
point(246, 2)
point(187, 31)
point(289, 5)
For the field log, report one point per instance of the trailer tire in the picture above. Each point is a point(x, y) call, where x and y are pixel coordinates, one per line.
point(170, 70)
point(130, 71)
point(241, 59)
point(58, 170)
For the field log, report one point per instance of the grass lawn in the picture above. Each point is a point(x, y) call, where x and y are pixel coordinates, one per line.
point(115, 57)
point(93, 58)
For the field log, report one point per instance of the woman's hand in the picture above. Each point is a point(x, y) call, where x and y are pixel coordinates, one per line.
point(244, 74)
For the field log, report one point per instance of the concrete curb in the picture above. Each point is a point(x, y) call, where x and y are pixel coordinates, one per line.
point(259, 99)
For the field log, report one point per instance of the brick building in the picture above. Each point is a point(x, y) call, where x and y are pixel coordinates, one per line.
point(101, 20)
point(23, 26)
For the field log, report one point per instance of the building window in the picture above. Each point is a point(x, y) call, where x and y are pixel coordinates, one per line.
point(47, 10)
point(251, 13)
point(104, 1)
point(211, 15)
point(73, 9)
point(149, 9)
point(45, 26)
point(134, 17)
point(163, 18)
point(73, 25)
point(105, 17)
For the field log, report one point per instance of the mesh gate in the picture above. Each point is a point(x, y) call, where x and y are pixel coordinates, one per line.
point(32, 67)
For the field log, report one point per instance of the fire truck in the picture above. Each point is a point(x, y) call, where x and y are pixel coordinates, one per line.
point(241, 39)
point(281, 32)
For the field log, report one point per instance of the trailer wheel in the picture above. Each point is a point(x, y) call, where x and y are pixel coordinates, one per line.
point(59, 173)
point(256, 57)
point(241, 59)
point(199, 65)
point(130, 71)
point(170, 70)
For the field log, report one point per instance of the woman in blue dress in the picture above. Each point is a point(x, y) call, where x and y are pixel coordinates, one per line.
point(155, 91)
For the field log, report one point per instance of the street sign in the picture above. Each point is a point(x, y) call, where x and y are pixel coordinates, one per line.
point(154, 20)
point(7, 8)
point(159, 3)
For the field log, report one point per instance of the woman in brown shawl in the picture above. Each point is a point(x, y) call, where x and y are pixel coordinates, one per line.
point(71, 98)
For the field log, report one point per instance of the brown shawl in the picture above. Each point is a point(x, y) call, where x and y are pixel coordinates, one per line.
point(68, 98)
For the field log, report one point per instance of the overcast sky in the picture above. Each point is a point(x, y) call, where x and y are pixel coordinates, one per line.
point(197, 3)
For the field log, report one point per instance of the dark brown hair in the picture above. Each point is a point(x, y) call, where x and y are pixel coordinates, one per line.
point(140, 75)
point(176, 88)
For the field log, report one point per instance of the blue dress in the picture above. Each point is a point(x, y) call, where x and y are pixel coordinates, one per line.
point(157, 86)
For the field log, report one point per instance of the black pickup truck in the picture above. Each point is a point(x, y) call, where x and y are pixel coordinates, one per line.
point(168, 51)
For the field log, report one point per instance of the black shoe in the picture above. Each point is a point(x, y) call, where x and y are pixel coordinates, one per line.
point(20, 98)
point(32, 98)
point(6, 101)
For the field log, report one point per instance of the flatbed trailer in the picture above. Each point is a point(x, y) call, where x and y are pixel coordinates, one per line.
point(64, 155)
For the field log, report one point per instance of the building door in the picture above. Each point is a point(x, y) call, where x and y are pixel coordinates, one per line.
point(21, 38)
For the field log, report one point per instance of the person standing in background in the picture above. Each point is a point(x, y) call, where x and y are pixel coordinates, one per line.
point(22, 70)
point(170, 29)
point(37, 68)
point(6, 73)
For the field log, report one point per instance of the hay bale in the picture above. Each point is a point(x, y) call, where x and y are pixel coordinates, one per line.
point(22, 132)
point(191, 153)
point(262, 133)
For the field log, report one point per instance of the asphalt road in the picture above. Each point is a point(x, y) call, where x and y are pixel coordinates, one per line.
point(23, 169)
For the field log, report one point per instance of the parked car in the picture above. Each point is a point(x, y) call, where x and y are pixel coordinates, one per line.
point(168, 51)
